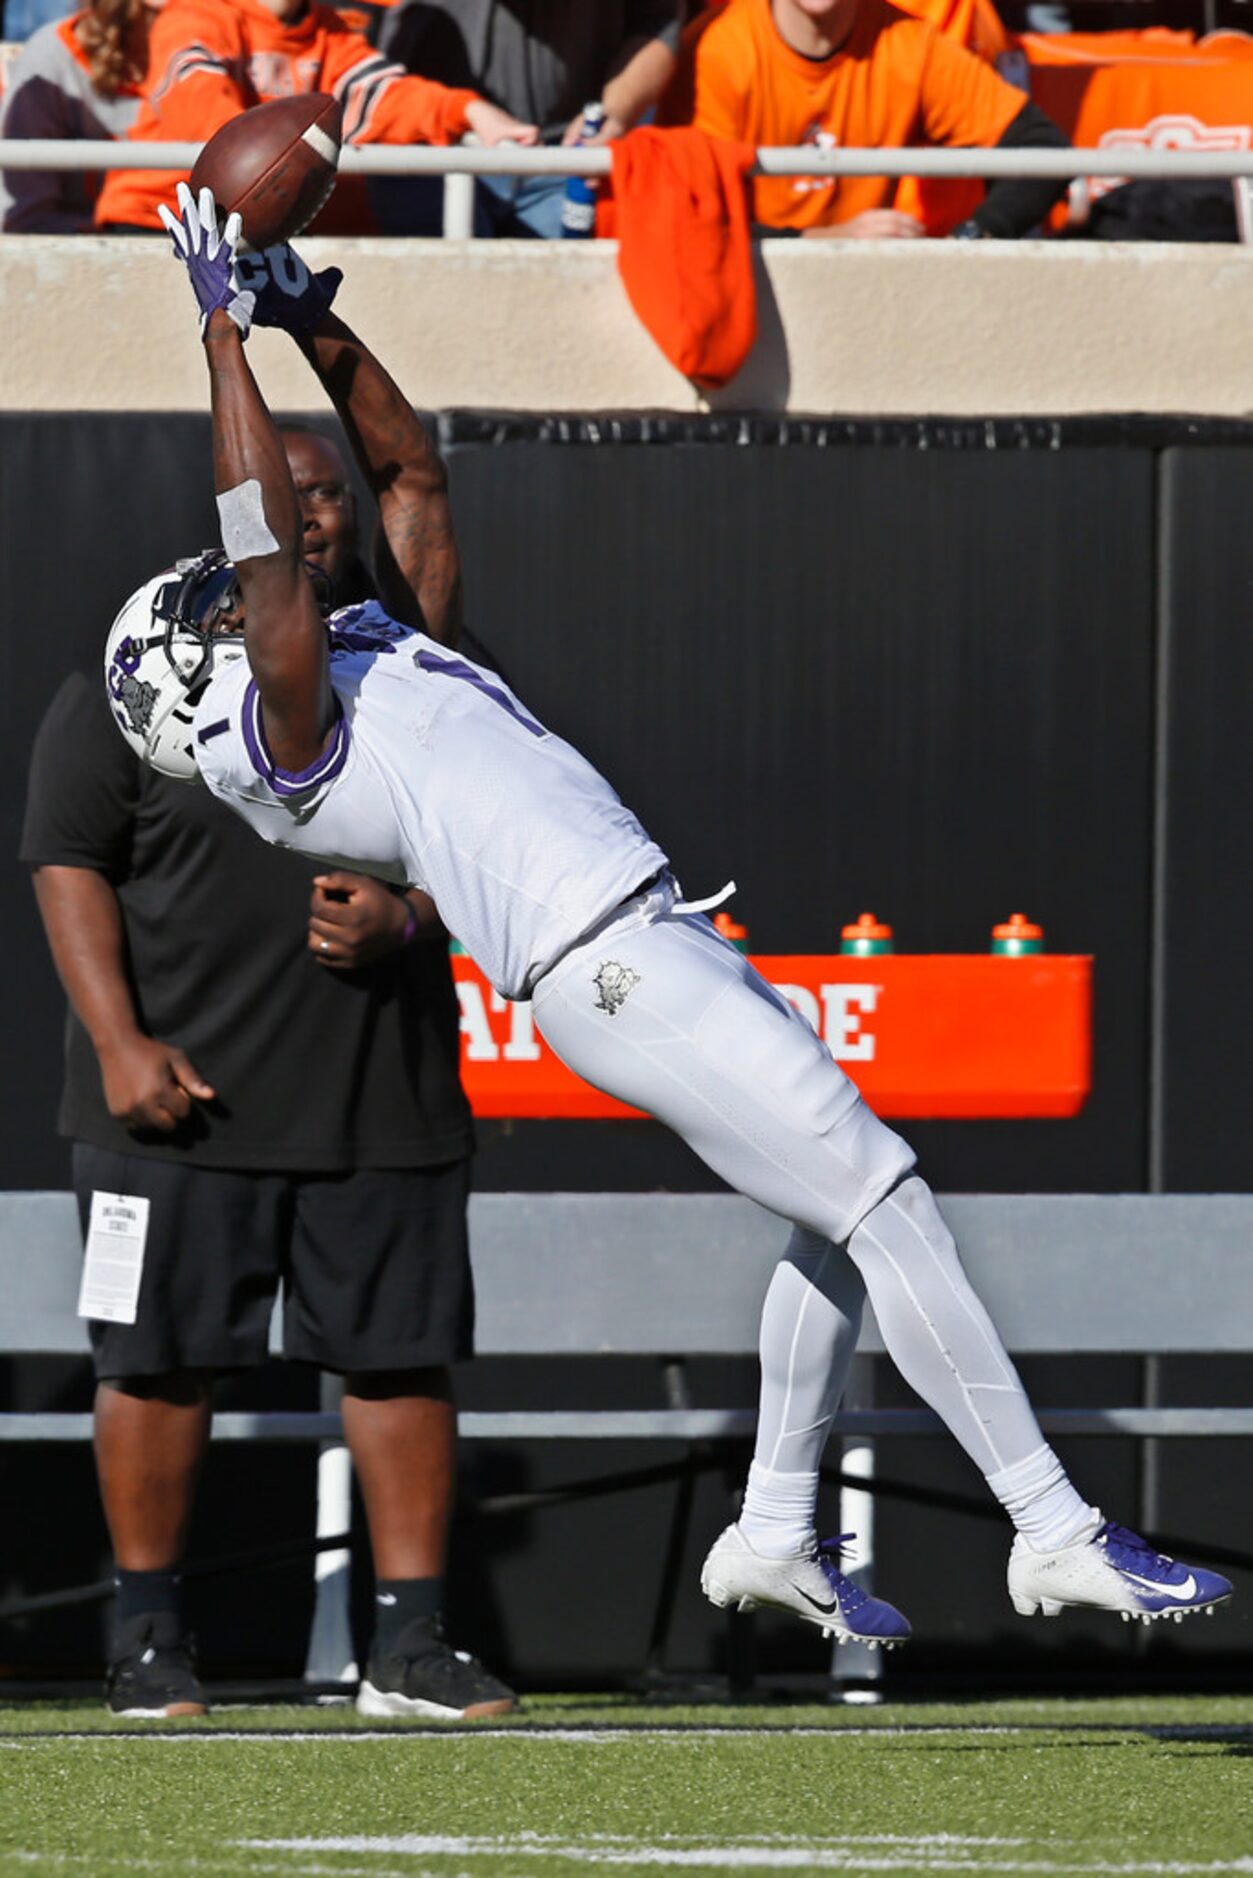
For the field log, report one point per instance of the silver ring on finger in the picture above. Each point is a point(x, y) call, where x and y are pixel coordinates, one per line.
point(326, 945)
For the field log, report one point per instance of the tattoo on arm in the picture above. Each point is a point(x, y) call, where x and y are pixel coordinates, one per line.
point(419, 567)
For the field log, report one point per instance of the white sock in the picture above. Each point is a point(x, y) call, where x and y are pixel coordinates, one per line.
point(1043, 1505)
point(777, 1517)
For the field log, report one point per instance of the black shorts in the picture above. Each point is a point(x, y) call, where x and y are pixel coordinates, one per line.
point(375, 1266)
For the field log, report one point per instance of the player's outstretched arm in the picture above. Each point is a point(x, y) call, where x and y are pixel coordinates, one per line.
point(416, 561)
point(263, 533)
point(262, 527)
point(417, 565)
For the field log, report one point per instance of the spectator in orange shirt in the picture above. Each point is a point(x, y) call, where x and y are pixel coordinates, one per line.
point(857, 73)
point(211, 59)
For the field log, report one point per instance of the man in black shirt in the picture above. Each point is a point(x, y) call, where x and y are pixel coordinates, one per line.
point(262, 1081)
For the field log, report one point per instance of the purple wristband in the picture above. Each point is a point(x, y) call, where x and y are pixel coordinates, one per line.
point(411, 925)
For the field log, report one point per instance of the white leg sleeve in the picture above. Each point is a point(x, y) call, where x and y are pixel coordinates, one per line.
point(936, 1330)
point(809, 1327)
point(947, 1348)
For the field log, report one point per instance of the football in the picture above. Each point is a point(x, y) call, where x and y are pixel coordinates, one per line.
point(274, 164)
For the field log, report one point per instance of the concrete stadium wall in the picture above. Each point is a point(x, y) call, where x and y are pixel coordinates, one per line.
point(1029, 328)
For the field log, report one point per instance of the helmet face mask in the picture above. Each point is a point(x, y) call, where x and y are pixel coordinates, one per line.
point(200, 598)
point(160, 655)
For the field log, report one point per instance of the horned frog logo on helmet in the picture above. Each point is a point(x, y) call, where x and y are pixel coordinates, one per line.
point(137, 699)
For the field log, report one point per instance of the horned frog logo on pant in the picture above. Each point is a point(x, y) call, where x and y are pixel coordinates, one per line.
point(614, 984)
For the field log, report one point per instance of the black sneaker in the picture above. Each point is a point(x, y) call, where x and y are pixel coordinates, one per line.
point(153, 1673)
point(426, 1676)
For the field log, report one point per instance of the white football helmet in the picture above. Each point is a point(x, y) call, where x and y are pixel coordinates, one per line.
point(161, 652)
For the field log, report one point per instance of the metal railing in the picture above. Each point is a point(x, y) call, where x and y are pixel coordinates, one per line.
point(462, 162)
point(802, 160)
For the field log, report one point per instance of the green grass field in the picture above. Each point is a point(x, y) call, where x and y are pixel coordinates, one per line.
point(1158, 1786)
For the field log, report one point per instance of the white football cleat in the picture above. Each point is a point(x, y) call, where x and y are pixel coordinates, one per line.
point(1111, 1569)
point(809, 1586)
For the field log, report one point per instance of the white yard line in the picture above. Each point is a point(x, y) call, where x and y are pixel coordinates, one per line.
point(220, 1865)
point(594, 1736)
point(934, 1852)
point(591, 1736)
point(928, 1855)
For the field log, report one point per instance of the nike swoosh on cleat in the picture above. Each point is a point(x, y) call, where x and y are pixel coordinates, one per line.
point(826, 1609)
point(1186, 1590)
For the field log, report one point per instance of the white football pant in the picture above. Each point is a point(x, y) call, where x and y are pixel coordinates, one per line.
point(654, 1007)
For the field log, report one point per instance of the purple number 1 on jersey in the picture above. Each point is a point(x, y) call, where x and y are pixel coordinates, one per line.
point(457, 668)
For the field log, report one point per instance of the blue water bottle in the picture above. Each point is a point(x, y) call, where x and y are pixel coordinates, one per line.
point(578, 210)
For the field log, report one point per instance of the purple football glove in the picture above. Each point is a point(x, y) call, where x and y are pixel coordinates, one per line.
point(286, 294)
point(209, 256)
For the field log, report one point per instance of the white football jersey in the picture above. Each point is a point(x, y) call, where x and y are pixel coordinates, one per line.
point(437, 777)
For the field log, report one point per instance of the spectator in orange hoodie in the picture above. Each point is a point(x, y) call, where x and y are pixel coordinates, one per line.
point(857, 73)
point(211, 59)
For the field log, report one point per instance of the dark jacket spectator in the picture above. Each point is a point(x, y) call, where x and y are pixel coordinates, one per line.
point(543, 60)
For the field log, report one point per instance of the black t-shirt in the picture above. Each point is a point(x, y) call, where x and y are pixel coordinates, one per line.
point(315, 1071)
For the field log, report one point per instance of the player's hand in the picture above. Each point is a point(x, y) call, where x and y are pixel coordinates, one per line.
point(209, 256)
point(285, 293)
point(873, 225)
point(149, 1084)
point(491, 125)
point(354, 920)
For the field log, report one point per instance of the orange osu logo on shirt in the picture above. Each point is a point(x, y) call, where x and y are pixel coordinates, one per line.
point(820, 139)
point(277, 75)
point(1170, 131)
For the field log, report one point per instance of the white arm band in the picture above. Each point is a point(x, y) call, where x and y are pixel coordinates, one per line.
point(245, 531)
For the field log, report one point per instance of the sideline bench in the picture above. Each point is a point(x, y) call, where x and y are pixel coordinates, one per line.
point(561, 1274)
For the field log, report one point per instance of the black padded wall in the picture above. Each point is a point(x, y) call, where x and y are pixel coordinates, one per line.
point(849, 678)
point(875, 673)
point(1207, 503)
point(89, 507)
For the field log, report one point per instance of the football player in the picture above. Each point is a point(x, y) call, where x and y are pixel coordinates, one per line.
point(360, 740)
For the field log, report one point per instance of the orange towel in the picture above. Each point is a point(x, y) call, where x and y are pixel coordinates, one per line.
point(679, 209)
